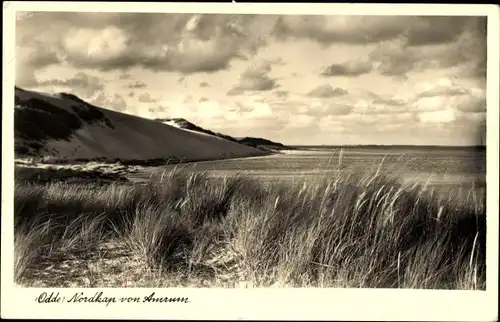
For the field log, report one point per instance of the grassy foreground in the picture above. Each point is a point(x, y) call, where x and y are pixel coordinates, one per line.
point(349, 230)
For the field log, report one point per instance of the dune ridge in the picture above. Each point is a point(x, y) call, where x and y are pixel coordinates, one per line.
point(259, 143)
point(62, 126)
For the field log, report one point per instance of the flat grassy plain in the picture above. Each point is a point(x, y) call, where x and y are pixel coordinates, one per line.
point(348, 224)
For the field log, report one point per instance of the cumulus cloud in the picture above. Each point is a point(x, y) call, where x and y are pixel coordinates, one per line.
point(381, 106)
point(445, 100)
point(443, 87)
point(242, 108)
point(114, 102)
point(282, 93)
point(30, 58)
point(156, 110)
point(326, 90)
point(186, 43)
point(234, 91)
point(443, 116)
point(276, 61)
point(364, 121)
point(348, 68)
point(255, 78)
point(338, 109)
point(146, 98)
point(299, 121)
point(137, 84)
point(92, 47)
point(125, 76)
point(190, 43)
point(472, 104)
point(389, 102)
point(81, 84)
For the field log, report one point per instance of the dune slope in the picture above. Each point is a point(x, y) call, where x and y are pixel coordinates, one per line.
point(65, 127)
point(259, 143)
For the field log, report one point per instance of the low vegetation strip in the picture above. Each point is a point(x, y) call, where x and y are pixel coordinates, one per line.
point(24, 174)
point(347, 230)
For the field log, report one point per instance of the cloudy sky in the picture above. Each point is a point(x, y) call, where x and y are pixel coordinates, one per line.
point(294, 79)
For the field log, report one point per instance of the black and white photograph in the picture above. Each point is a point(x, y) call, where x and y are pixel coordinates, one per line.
point(250, 150)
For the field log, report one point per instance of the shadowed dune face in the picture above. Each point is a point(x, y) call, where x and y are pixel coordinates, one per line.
point(39, 120)
point(65, 127)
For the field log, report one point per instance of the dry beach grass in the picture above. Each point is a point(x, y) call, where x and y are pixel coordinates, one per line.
point(188, 229)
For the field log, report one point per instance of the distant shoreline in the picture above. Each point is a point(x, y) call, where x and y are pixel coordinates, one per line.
point(456, 147)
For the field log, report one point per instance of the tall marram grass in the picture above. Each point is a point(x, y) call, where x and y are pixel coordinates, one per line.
point(345, 230)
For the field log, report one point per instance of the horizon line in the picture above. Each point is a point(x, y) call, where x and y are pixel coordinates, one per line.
point(385, 145)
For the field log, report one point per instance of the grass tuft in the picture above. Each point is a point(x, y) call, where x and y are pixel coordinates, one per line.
point(189, 229)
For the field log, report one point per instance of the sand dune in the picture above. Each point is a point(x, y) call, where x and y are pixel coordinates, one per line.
point(63, 126)
point(250, 141)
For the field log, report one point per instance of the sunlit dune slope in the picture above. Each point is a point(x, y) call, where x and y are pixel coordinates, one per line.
point(64, 126)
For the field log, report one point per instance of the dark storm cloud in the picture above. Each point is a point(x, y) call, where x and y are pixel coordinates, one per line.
point(435, 30)
point(394, 59)
point(146, 98)
point(81, 83)
point(417, 30)
point(326, 90)
point(255, 78)
point(339, 29)
point(350, 68)
point(137, 84)
point(423, 49)
point(472, 47)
